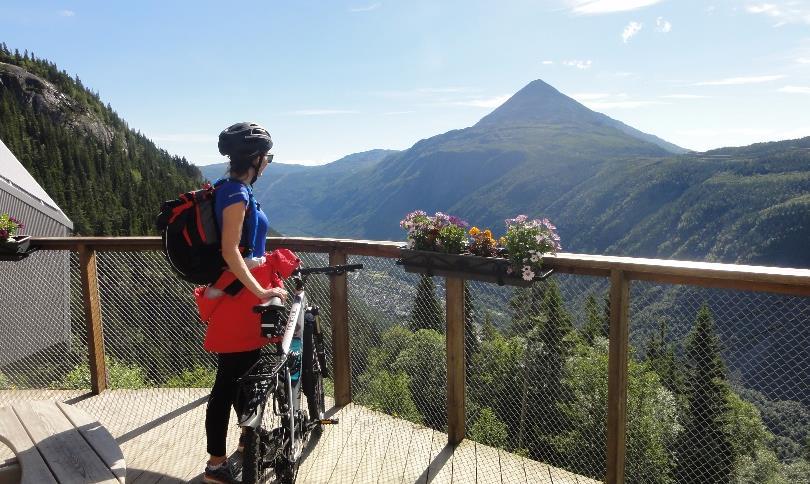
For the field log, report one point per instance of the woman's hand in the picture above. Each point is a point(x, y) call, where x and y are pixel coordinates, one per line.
point(272, 292)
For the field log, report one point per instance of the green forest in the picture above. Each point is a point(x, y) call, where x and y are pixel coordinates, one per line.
point(539, 388)
point(109, 185)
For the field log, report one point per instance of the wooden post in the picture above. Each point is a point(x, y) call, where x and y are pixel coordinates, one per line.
point(617, 375)
point(338, 295)
point(454, 339)
point(92, 317)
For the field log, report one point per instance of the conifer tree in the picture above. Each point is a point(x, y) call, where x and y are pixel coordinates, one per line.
point(488, 330)
point(525, 304)
point(705, 452)
point(661, 357)
point(594, 321)
point(548, 346)
point(426, 313)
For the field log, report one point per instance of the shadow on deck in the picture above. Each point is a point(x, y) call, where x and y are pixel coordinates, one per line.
point(162, 436)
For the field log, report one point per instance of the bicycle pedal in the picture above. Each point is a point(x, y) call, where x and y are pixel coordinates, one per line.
point(329, 421)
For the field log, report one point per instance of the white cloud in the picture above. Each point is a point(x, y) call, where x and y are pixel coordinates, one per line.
point(320, 112)
point(784, 11)
point(367, 8)
point(734, 81)
point(803, 60)
point(599, 101)
point(492, 102)
point(684, 96)
point(547, 62)
point(67, 13)
point(795, 89)
point(579, 64)
point(662, 25)
point(631, 30)
point(596, 7)
point(596, 106)
point(588, 96)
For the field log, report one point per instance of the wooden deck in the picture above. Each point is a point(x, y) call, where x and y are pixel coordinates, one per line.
point(162, 436)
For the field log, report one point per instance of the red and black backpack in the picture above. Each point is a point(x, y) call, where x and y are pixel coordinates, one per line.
point(191, 235)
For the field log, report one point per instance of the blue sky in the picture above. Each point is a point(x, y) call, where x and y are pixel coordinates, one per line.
point(330, 78)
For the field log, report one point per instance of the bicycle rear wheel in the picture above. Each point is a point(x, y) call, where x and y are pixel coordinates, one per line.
point(319, 390)
point(255, 468)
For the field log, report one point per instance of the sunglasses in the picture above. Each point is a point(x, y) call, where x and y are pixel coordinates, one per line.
point(269, 157)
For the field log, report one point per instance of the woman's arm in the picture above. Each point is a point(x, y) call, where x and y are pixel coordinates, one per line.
point(233, 216)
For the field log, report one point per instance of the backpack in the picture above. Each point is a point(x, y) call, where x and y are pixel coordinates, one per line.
point(191, 235)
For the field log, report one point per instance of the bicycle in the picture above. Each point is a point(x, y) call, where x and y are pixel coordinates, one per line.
point(301, 358)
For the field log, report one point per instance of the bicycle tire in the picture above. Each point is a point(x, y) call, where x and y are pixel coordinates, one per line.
point(254, 468)
point(319, 391)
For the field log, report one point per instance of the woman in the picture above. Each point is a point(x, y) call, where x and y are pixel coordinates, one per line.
point(233, 331)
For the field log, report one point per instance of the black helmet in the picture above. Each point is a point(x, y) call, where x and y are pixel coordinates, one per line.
point(244, 140)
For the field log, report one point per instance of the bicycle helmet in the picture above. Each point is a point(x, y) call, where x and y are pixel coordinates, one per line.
point(244, 140)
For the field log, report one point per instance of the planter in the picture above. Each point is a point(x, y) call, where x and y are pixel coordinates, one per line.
point(465, 266)
point(15, 248)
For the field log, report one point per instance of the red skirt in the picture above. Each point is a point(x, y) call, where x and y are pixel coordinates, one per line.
point(232, 324)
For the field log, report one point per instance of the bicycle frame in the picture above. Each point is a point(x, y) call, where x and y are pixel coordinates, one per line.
point(290, 363)
point(282, 373)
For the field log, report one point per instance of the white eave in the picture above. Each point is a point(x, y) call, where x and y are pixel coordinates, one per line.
point(15, 178)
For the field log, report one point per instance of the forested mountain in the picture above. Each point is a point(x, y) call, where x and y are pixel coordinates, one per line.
point(738, 205)
point(106, 177)
point(609, 188)
point(287, 191)
point(538, 146)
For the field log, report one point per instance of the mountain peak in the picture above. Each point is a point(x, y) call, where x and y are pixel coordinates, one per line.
point(539, 103)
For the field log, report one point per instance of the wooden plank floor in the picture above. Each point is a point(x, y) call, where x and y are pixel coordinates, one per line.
point(162, 436)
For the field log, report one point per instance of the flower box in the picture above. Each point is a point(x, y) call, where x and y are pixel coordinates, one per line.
point(16, 244)
point(15, 247)
point(465, 266)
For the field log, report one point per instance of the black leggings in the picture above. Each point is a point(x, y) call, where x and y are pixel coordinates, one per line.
point(230, 366)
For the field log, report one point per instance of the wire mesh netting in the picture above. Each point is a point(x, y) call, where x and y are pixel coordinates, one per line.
point(718, 381)
point(42, 322)
point(721, 378)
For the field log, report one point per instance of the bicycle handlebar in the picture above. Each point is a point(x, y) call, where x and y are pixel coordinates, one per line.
point(330, 270)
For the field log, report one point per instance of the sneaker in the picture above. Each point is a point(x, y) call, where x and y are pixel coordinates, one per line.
point(221, 474)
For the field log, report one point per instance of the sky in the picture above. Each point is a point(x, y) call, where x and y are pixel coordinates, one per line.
point(330, 78)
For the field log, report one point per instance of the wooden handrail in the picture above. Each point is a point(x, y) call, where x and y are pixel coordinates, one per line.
point(709, 274)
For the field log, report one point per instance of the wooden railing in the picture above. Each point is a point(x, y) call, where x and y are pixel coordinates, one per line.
point(621, 271)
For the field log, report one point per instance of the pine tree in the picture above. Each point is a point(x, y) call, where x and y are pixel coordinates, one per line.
point(594, 321)
point(426, 313)
point(705, 451)
point(526, 303)
point(488, 330)
point(548, 346)
point(661, 358)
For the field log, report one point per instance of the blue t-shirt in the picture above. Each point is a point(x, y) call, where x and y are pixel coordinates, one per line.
point(229, 192)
